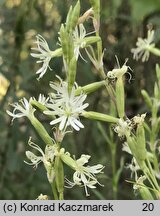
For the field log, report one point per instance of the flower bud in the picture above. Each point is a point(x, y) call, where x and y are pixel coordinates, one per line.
point(156, 91)
point(146, 98)
point(158, 72)
point(72, 18)
point(64, 43)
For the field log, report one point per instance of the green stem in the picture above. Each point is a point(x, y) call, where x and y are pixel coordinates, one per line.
point(152, 175)
point(61, 197)
point(114, 181)
point(149, 179)
point(112, 147)
point(55, 195)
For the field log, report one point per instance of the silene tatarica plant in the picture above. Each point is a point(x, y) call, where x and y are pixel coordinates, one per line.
point(66, 106)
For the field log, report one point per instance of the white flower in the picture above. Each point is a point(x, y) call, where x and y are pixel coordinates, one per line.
point(45, 55)
point(86, 175)
point(67, 107)
point(143, 47)
point(134, 167)
point(139, 182)
point(42, 197)
point(42, 99)
point(123, 127)
point(78, 36)
point(139, 119)
point(21, 110)
point(47, 158)
point(35, 160)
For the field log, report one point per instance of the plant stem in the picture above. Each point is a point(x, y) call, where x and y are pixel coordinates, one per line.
point(61, 197)
point(152, 175)
point(55, 195)
point(113, 159)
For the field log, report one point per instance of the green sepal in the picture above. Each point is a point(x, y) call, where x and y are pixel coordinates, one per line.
point(120, 97)
point(141, 143)
point(67, 45)
point(64, 42)
point(100, 117)
point(41, 130)
point(68, 160)
point(158, 72)
point(72, 73)
point(90, 40)
point(87, 89)
point(147, 98)
point(145, 193)
point(156, 91)
point(72, 18)
point(38, 105)
point(59, 174)
point(56, 53)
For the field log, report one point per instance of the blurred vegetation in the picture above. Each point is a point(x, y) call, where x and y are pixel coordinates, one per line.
point(122, 21)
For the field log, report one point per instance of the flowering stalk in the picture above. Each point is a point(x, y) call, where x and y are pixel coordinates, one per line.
point(66, 104)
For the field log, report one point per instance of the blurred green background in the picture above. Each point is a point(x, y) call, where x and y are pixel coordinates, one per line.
point(122, 21)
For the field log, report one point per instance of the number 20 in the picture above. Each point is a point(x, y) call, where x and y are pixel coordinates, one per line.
point(148, 207)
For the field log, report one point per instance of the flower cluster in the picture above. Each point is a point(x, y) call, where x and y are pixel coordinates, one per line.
point(63, 106)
